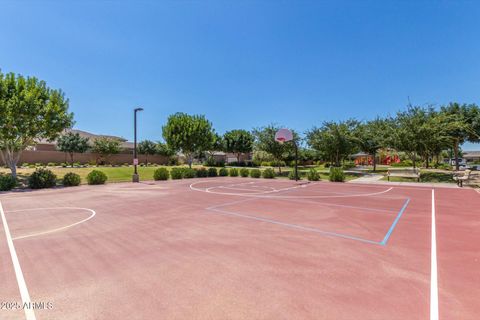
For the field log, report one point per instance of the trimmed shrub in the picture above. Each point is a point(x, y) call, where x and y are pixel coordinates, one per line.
point(202, 173)
point(96, 177)
point(160, 174)
point(291, 175)
point(336, 174)
point(71, 179)
point(210, 162)
point(313, 175)
point(220, 163)
point(7, 182)
point(268, 173)
point(403, 163)
point(212, 172)
point(233, 172)
point(176, 173)
point(348, 165)
point(25, 165)
point(444, 166)
point(64, 165)
point(42, 178)
point(278, 163)
point(244, 172)
point(38, 165)
point(255, 173)
point(223, 172)
point(173, 161)
point(51, 164)
point(189, 173)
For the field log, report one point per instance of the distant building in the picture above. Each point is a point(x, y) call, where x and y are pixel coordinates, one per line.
point(471, 156)
point(46, 152)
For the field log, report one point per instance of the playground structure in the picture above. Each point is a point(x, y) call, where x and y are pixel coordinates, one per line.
point(386, 157)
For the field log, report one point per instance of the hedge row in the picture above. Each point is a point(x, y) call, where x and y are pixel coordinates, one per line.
point(45, 178)
point(187, 173)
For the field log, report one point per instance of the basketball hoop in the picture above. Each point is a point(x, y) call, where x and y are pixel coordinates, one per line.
point(283, 135)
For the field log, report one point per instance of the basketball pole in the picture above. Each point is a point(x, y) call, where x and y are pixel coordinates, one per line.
point(296, 159)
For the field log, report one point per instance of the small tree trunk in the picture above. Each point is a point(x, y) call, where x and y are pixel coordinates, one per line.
point(455, 151)
point(190, 160)
point(10, 159)
point(414, 158)
point(71, 158)
point(426, 161)
point(374, 161)
point(146, 160)
point(238, 157)
point(13, 168)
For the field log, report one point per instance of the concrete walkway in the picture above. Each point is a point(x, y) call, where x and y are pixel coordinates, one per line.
point(376, 179)
point(368, 178)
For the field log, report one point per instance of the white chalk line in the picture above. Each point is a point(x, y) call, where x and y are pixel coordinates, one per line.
point(93, 213)
point(266, 194)
point(22, 285)
point(433, 267)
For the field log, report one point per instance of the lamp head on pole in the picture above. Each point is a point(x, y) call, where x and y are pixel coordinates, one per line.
point(138, 109)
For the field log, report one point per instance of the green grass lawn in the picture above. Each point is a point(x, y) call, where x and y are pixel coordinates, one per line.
point(426, 176)
point(114, 174)
point(124, 174)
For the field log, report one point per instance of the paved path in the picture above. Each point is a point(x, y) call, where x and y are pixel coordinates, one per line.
point(368, 178)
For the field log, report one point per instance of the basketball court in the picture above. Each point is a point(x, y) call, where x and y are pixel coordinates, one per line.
point(240, 248)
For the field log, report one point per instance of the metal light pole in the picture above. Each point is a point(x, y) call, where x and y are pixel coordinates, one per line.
point(296, 159)
point(135, 159)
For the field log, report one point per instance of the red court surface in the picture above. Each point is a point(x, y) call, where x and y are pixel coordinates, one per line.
point(234, 248)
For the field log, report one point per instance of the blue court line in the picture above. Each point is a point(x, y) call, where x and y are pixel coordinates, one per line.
point(296, 226)
point(394, 224)
point(310, 229)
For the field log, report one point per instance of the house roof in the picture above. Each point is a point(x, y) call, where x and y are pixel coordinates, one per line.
point(124, 143)
point(471, 154)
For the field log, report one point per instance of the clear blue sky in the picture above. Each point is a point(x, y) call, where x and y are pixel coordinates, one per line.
point(244, 64)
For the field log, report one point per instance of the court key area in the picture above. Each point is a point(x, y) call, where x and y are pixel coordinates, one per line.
point(240, 248)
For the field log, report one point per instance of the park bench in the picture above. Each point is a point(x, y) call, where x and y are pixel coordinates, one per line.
point(404, 173)
point(461, 177)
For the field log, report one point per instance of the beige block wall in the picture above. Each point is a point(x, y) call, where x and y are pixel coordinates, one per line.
point(59, 157)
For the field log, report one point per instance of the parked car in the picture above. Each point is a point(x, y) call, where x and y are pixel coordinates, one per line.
point(461, 162)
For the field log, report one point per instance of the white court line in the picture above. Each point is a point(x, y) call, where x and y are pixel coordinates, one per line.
point(245, 193)
point(265, 194)
point(29, 313)
point(93, 213)
point(433, 270)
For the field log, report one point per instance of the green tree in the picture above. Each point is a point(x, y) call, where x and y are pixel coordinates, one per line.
point(265, 141)
point(189, 134)
point(463, 122)
point(147, 148)
point(29, 111)
point(72, 143)
point(163, 150)
point(106, 147)
point(334, 140)
point(218, 144)
point(434, 136)
point(407, 131)
point(238, 142)
point(371, 137)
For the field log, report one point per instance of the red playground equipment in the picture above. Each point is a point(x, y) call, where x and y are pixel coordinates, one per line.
point(382, 158)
